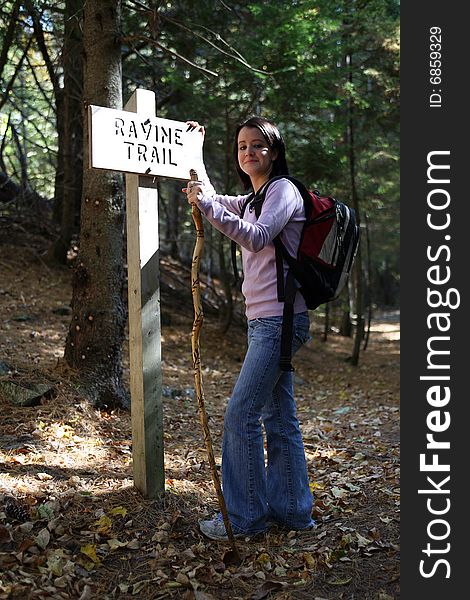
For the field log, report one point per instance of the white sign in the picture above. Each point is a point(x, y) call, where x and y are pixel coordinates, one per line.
point(133, 143)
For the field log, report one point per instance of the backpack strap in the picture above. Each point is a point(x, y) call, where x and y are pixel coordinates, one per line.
point(281, 288)
point(288, 324)
point(256, 203)
point(283, 254)
point(281, 251)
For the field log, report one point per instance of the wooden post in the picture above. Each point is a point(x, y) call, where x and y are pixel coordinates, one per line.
point(144, 321)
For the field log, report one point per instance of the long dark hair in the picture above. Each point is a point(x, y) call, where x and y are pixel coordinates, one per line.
point(275, 142)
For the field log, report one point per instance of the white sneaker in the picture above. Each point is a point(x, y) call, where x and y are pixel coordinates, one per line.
point(214, 529)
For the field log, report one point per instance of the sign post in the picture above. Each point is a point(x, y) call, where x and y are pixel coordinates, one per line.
point(143, 146)
point(144, 322)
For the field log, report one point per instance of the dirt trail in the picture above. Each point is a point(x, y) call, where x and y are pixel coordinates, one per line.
point(71, 524)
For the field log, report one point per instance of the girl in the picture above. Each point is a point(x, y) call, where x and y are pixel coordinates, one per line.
point(259, 495)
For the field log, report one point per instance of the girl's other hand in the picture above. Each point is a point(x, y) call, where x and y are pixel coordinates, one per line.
point(194, 126)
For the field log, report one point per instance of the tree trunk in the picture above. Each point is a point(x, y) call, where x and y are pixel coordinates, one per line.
point(9, 36)
point(326, 324)
point(345, 306)
point(94, 341)
point(345, 326)
point(70, 165)
point(59, 171)
point(369, 286)
point(355, 202)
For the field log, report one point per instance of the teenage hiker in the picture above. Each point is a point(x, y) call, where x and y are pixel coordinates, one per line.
point(256, 495)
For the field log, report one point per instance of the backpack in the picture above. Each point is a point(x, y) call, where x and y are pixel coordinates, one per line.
point(328, 245)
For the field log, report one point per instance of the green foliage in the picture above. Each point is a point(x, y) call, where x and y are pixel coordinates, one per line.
point(307, 64)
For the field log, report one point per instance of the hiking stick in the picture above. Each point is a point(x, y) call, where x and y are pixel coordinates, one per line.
point(196, 354)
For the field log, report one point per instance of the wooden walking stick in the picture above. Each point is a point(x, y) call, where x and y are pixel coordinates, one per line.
point(196, 353)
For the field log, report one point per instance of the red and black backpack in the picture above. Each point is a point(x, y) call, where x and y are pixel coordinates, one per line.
point(327, 248)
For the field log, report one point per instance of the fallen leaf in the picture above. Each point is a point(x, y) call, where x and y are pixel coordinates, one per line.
point(362, 541)
point(160, 536)
point(183, 579)
point(264, 560)
point(172, 584)
point(43, 538)
point(5, 535)
point(310, 561)
point(86, 593)
point(55, 564)
point(118, 510)
point(90, 551)
point(115, 543)
point(339, 492)
point(386, 520)
point(45, 511)
point(352, 487)
point(188, 553)
point(26, 527)
point(104, 524)
point(280, 571)
point(337, 581)
point(359, 456)
point(62, 582)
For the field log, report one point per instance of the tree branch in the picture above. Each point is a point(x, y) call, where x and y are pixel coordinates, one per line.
point(234, 54)
point(9, 36)
point(39, 34)
point(169, 51)
point(25, 187)
point(4, 98)
point(43, 93)
point(2, 145)
point(26, 117)
point(133, 50)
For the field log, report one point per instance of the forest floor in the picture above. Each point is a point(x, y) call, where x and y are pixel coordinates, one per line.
point(73, 526)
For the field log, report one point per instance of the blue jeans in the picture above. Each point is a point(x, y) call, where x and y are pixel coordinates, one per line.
point(254, 492)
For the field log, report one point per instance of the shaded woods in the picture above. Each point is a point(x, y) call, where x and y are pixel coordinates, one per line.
point(71, 525)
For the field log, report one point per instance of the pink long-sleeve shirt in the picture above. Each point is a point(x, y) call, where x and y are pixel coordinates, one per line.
point(283, 210)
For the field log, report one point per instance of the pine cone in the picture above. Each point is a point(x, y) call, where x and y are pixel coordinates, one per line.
point(16, 511)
